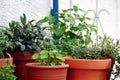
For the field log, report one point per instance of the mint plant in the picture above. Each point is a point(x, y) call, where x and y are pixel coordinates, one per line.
point(49, 57)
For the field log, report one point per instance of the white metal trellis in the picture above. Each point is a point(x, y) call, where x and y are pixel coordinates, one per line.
point(97, 13)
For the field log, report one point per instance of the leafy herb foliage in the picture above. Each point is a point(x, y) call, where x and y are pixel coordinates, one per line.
point(25, 35)
point(49, 57)
point(6, 72)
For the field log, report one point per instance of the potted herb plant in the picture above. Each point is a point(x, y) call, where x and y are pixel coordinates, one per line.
point(51, 66)
point(102, 55)
point(6, 61)
point(3, 44)
point(25, 40)
point(90, 59)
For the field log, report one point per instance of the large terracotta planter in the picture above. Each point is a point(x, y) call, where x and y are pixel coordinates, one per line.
point(82, 69)
point(19, 60)
point(3, 61)
point(37, 72)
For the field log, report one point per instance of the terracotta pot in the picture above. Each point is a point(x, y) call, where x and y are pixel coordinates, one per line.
point(82, 69)
point(37, 72)
point(68, 57)
point(19, 60)
point(3, 61)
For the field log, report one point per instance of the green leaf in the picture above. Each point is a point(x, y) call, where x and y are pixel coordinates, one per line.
point(82, 27)
point(70, 34)
point(51, 19)
point(53, 63)
point(61, 63)
point(36, 56)
point(44, 54)
point(82, 19)
point(65, 11)
point(40, 22)
point(87, 39)
point(93, 28)
point(22, 47)
point(77, 16)
point(23, 19)
point(51, 54)
point(88, 18)
point(6, 31)
point(74, 28)
point(118, 59)
point(30, 22)
point(17, 43)
point(60, 57)
point(58, 30)
point(71, 20)
point(62, 30)
point(75, 8)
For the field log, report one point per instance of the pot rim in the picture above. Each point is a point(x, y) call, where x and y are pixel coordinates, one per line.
point(90, 64)
point(100, 59)
point(37, 65)
point(6, 58)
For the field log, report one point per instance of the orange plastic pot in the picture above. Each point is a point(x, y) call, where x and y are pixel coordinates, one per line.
point(82, 69)
point(3, 61)
point(37, 72)
point(19, 60)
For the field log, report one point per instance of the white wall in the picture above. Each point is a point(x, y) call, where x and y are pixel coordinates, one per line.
point(118, 18)
point(12, 9)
